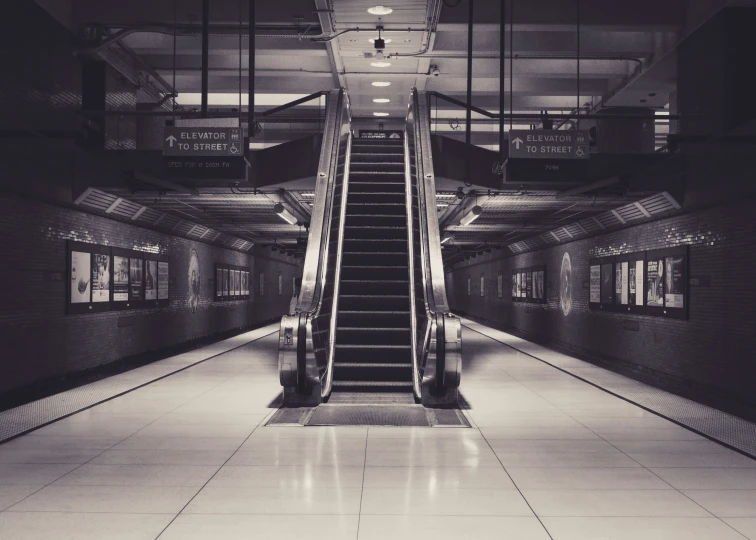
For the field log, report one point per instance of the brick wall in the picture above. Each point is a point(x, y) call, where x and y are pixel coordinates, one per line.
point(711, 354)
point(39, 341)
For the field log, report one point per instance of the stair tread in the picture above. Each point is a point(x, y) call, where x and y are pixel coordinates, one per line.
point(369, 329)
point(378, 365)
point(357, 346)
point(373, 383)
point(374, 295)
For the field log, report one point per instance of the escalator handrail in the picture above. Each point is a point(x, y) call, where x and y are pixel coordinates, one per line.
point(315, 265)
point(328, 375)
point(411, 268)
point(433, 272)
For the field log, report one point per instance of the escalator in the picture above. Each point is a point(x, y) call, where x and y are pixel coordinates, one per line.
point(372, 324)
point(373, 357)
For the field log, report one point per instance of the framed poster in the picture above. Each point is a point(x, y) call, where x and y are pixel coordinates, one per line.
point(539, 286)
point(163, 280)
point(226, 282)
point(245, 283)
point(262, 284)
point(80, 273)
point(101, 270)
point(499, 285)
point(595, 283)
point(482, 284)
point(280, 283)
point(636, 296)
point(218, 281)
point(514, 285)
point(655, 282)
point(136, 276)
point(607, 283)
point(234, 282)
point(120, 279)
point(674, 281)
point(667, 289)
point(150, 279)
point(469, 286)
point(518, 286)
point(528, 284)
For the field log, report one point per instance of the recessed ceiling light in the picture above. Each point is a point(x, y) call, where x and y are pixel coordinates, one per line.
point(408, 41)
point(381, 83)
point(380, 64)
point(385, 40)
point(380, 114)
point(379, 10)
point(381, 100)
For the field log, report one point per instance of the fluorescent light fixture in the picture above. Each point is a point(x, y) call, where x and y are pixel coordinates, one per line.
point(284, 214)
point(379, 10)
point(446, 237)
point(380, 114)
point(471, 216)
point(380, 64)
point(381, 100)
point(381, 83)
point(385, 40)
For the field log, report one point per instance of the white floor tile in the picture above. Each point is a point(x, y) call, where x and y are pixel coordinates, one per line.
point(300, 500)
point(541, 433)
point(81, 526)
point(745, 526)
point(163, 457)
point(649, 528)
point(289, 477)
point(571, 459)
point(726, 503)
point(47, 455)
point(113, 499)
point(10, 495)
point(700, 478)
point(138, 475)
point(260, 527)
point(32, 474)
point(427, 478)
point(450, 528)
point(612, 503)
point(688, 459)
point(585, 478)
point(437, 501)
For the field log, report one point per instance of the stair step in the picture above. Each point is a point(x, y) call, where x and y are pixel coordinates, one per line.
point(340, 396)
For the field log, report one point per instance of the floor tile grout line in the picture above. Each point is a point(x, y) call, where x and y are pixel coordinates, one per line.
point(362, 487)
point(633, 459)
point(516, 486)
point(137, 431)
point(208, 480)
point(110, 398)
point(620, 396)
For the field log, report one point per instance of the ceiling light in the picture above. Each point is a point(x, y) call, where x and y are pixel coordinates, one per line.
point(386, 40)
point(380, 114)
point(380, 10)
point(379, 55)
point(380, 64)
point(471, 216)
point(284, 214)
point(381, 83)
point(381, 100)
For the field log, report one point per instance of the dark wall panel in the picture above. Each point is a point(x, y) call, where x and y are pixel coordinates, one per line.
point(710, 353)
point(39, 340)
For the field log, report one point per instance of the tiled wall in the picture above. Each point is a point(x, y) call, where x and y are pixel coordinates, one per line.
point(38, 340)
point(714, 351)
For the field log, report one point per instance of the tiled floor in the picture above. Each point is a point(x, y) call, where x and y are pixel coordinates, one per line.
point(188, 458)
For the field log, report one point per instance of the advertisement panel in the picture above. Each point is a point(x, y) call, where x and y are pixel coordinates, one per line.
point(595, 284)
point(674, 290)
point(163, 274)
point(101, 278)
point(135, 276)
point(80, 277)
point(624, 283)
point(655, 283)
point(120, 279)
point(607, 286)
point(638, 283)
point(482, 285)
point(150, 280)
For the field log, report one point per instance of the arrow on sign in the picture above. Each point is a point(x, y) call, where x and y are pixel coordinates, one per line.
point(517, 142)
point(171, 140)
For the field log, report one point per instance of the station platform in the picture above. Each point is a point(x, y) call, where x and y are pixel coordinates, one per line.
point(558, 449)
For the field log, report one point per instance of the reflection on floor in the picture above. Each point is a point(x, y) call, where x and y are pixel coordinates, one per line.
point(187, 458)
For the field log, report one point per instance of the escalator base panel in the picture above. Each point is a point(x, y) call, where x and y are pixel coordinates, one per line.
point(369, 415)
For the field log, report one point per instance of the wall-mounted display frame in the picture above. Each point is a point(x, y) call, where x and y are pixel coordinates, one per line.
point(104, 278)
point(262, 284)
point(647, 283)
point(232, 282)
point(529, 285)
point(500, 285)
point(482, 284)
point(469, 286)
point(280, 283)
